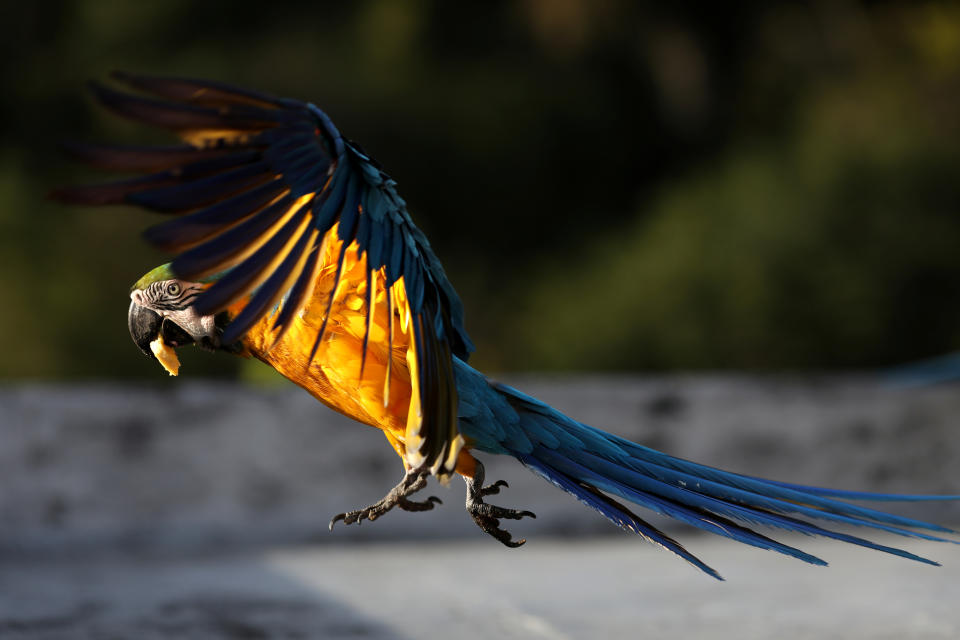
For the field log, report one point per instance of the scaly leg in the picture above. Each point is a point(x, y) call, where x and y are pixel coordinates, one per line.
point(487, 515)
point(413, 481)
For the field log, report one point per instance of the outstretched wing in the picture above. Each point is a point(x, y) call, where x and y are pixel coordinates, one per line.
point(260, 185)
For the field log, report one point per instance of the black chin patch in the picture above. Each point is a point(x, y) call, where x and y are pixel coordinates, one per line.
point(221, 320)
point(173, 335)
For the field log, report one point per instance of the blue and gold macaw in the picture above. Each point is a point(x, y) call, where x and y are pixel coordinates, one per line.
point(293, 247)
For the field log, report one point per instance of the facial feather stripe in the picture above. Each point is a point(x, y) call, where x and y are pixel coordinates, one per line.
point(171, 295)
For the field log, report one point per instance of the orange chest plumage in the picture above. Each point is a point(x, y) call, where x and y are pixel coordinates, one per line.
point(381, 396)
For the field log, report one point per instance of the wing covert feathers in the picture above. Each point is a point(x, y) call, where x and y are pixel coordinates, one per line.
point(259, 191)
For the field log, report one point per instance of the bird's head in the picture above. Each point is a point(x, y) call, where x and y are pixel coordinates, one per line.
point(162, 317)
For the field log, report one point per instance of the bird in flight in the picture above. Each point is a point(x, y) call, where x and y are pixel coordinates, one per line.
point(291, 245)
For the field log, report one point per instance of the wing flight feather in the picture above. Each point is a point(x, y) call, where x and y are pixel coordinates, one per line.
point(261, 185)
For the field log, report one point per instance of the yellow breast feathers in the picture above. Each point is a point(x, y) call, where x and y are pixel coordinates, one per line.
point(365, 362)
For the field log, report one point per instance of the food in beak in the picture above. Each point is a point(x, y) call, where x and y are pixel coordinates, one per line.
point(166, 355)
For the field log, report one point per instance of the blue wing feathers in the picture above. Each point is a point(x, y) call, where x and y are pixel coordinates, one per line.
point(207, 190)
point(214, 252)
point(141, 158)
point(305, 161)
point(265, 297)
point(351, 210)
point(300, 289)
point(241, 278)
point(115, 192)
point(363, 237)
point(205, 91)
point(202, 224)
point(328, 130)
point(375, 241)
point(183, 116)
point(330, 200)
point(414, 282)
point(265, 140)
point(395, 265)
point(376, 204)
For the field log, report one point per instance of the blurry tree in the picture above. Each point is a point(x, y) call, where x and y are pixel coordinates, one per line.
point(833, 242)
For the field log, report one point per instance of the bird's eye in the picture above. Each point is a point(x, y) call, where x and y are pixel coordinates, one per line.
point(173, 289)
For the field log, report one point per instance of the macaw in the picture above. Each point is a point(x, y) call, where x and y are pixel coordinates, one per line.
point(293, 246)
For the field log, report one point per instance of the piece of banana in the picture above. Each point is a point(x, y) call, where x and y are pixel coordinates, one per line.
point(166, 355)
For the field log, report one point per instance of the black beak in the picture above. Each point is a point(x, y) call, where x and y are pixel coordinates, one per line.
point(146, 325)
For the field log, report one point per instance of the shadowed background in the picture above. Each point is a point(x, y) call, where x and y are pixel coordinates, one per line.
point(610, 185)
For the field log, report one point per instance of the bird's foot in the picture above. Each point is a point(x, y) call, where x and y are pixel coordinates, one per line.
point(413, 481)
point(487, 516)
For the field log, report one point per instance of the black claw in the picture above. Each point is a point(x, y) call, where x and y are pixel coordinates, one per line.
point(412, 482)
point(487, 516)
point(491, 526)
point(415, 505)
point(494, 488)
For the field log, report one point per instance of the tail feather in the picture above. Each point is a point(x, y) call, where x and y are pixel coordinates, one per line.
point(784, 492)
point(590, 463)
point(615, 512)
point(864, 495)
point(757, 501)
point(684, 512)
point(744, 512)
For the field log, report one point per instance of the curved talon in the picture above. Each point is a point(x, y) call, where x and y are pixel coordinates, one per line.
point(353, 517)
point(418, 505)
point(492, 526)
point(487, 516)
point(413, 481)
point(492, 489)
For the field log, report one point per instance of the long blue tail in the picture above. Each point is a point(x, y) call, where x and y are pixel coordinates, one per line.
point(594, 465)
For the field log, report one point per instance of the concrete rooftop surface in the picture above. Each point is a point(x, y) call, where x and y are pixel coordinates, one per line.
point(584, 588)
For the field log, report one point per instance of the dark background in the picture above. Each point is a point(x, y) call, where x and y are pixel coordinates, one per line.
point(611, 185)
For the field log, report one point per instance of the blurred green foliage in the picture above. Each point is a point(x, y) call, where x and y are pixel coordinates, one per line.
point(609, 184)
point(834, 243)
